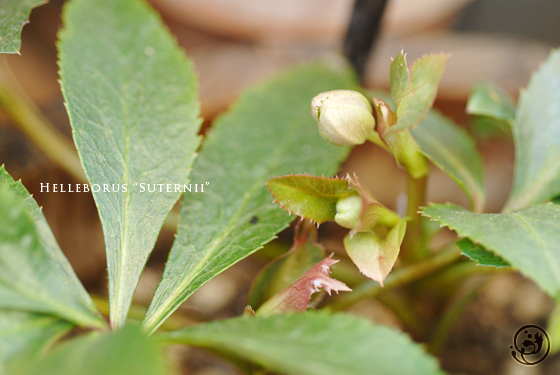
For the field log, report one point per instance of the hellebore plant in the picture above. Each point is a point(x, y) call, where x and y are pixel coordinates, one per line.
point(346, 117)
point(131, 97)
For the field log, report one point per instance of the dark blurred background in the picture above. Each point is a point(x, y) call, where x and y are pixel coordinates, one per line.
point(535, 19)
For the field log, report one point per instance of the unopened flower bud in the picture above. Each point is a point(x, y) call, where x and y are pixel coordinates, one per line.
point(344, 117)
point(348, 211)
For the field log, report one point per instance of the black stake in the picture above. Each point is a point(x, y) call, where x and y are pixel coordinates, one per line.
point(362, 32)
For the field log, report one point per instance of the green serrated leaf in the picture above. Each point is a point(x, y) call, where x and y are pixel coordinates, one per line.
point(286, 269)
point(131, 97)
point(528, 239)
point(128, 351)
point(536, 131)
point(315, 343)
point(14, 14)
point(399, 79)
point(414, 94)
point(453, 151)
point(308, 196)
point(34, 274)
point(480, 255)
point(23, 335)
point(268, 133)
point(489, 100)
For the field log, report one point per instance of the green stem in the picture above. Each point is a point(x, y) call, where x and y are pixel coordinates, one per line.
point(463, 270)
point(399, 277)
point(413, 246)
point(41, 131)
point(376, 139)
point(453, 313)
point(401, 308)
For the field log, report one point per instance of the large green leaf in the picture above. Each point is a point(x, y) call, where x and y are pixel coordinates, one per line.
point(34, 274)
point(269, 132)
point(453, 151)
point(414, 93)
point(23, 335)
point(128, 351)
point(528, 239)
point(315, 343)
point(131, 97)
point(13, 15)
point(489, 100)
point(536, 131)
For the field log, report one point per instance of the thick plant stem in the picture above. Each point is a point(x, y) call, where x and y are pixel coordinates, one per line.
point(412, 247)
point(399, 277)
point(41, 132)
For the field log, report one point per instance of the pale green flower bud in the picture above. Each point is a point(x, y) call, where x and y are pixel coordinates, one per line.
point(344, 117)
point(348, 211)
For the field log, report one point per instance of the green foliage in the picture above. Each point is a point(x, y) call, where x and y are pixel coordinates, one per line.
point(24, 335)
point(285, 270)
point(492, 101)
point(268, 133)
point(536, 131)
point(372, 213)
point(414, 93)
point(131, 97)
point(480, 254)
point(484, 127)
point(453, 151)
point(315, 343)
point(128, 351)
point(401, 144)
point(310, 197)
point(528, 239)
point(15, 14)
point(373, 255)
point(34, 274)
